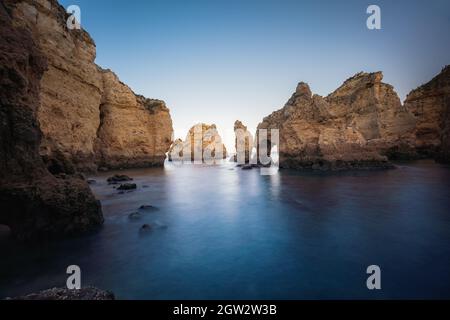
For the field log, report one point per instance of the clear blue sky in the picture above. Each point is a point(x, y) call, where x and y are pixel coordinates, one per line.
point(219, 61)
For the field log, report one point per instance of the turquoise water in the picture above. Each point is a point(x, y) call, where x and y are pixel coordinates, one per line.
point(220, 232)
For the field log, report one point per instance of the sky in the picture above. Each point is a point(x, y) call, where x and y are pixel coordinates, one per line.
point(220, 61)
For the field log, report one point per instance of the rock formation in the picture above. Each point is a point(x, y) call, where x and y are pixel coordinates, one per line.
point(87, 115)
point(34, 203)
point(374, 109)
point(88, 293)
point(202, 143)
point(243, 143)
point(355, 126)
point(176, 149)
point(134, 131)
point(430, 104)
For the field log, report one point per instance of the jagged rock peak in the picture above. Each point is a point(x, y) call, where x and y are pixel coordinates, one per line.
point(303, 89)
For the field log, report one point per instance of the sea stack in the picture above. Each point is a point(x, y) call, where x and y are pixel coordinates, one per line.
point(203, 143)
point(243, 143)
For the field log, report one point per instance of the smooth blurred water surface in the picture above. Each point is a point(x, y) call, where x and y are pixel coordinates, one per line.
point(225, 233)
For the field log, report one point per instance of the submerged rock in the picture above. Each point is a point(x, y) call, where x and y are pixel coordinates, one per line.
point(88, 293)
point(134, 216)
point(127, 186)
point(147, 207)
point(146, 227)
point(118, 178)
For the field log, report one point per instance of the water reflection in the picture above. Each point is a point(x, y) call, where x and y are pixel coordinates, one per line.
point(235, 234)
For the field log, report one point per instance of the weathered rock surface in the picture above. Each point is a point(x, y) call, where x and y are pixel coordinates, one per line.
point(356, 126)
point(374, 110)
point(430, 104)
point(89, 293)
point(243, 143)
point(134, 131)
point(34, 203)
point(86, 113)
point(176, 150)
point(202, 143)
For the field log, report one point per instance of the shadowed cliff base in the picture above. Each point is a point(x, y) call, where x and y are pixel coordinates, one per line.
point(35, 203)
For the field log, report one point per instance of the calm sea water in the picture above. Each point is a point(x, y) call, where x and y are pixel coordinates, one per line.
point(224, 233)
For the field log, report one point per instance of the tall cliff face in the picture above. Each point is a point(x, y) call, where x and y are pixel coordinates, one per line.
point(430, 104)
point(35, 203)
point(87, 115)
point(355, 126)
point(134, 131)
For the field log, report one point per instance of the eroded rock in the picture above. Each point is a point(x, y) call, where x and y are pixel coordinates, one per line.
point(89, 293)
point(35, 203)
point(202, 143)
point(430, 104)
point(354, 127)
point(86, 113)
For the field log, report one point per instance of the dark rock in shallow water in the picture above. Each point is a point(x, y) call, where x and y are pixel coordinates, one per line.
point(118, 178)
point(127, 186)
point(89, 293)
point(147, 207)
point(146, 227)
point(91, 181)
point(134, 216)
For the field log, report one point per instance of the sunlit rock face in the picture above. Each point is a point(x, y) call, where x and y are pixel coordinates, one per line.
point(430, 105)
point(354, 127)
point(34, 203)
point(203, 143)
point(134, 131)
point(243, 143)
point(87, 115)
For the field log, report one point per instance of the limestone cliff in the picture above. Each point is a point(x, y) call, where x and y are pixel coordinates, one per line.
point(34, 203)
point(134, 131)
point(430, 104)
point(374, 109)
point(355, 126)
point(87, 115)
point(202, 143)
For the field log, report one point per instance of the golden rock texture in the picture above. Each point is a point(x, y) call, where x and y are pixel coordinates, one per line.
point(430, 104)
point(87, 115)
point(34, 203)
point(355, 126)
